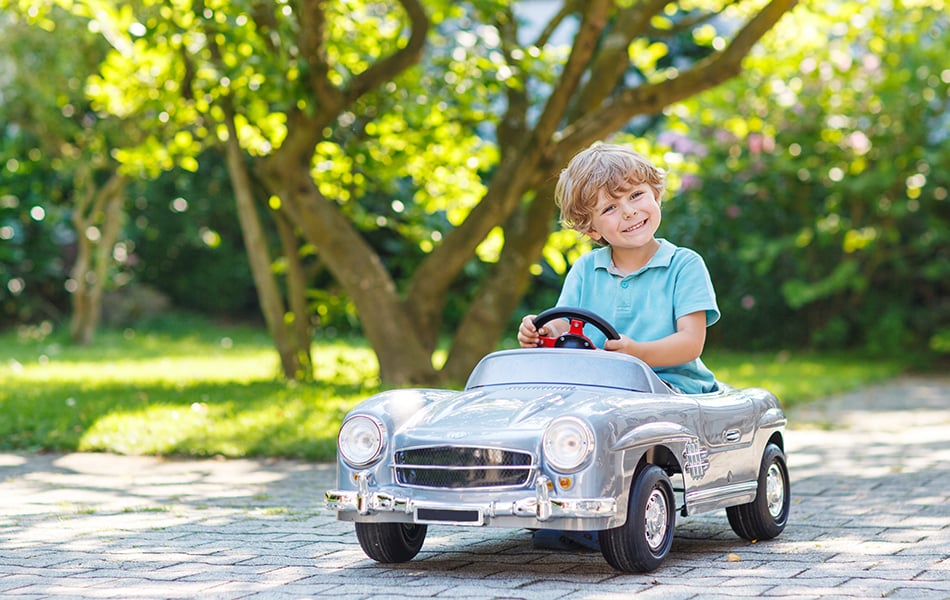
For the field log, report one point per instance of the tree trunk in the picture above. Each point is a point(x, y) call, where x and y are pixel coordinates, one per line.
point(101, 209)
point(403, 358)
point(272, 305)
point(484, 323)
point(302, 317)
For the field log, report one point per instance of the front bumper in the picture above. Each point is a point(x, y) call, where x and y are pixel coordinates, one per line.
point(541, 507)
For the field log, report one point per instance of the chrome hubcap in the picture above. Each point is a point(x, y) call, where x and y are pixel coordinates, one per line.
point(775, 490)
point(655, 519)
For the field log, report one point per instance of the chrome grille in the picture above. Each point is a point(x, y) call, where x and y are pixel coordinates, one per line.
point(462, 467)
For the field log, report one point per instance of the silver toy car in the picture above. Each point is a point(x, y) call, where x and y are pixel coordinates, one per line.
point(562, 438)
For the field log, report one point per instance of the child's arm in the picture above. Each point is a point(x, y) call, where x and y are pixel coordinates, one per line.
point(681, 347)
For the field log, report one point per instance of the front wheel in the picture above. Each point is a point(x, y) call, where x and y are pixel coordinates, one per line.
point(391, 542)
point(765, 517)
point(641, 544)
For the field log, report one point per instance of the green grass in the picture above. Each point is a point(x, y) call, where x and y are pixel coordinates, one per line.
point(182, 386)
point(801, 377)
point(185, 389)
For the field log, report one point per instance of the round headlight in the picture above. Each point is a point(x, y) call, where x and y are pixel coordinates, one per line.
point(360, 440)
point(567, 444)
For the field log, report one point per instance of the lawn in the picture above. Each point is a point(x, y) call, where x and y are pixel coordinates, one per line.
point(184, 386)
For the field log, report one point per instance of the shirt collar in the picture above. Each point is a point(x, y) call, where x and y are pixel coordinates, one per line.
point(662, 258)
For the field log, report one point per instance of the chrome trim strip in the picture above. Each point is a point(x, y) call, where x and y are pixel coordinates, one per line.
point(541, 506)
point(482, 488)
point(465, 468)
point(453, 447)
point(719, 493)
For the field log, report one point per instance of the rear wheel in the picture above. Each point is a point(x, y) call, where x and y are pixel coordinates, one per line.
point(766, 516)
point(391, 542)
point(641, 544)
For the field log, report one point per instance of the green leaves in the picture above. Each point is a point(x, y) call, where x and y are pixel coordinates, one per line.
point(821, 195)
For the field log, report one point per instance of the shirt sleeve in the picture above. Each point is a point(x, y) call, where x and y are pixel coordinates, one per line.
point(572, 286)
point(694, 291)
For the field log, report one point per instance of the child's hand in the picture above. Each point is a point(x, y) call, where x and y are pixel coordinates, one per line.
point(528, 335)
point(624, 344)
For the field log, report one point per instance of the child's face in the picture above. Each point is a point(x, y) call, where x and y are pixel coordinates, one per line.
point(628, 220)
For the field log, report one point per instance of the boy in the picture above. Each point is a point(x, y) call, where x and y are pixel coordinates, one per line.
point(658, 296)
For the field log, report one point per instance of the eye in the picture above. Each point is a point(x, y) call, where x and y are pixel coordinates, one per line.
point(608, 208)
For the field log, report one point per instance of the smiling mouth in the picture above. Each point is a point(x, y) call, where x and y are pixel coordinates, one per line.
point(635, 226)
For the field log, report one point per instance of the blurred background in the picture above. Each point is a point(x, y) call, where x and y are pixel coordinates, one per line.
point(386, 169)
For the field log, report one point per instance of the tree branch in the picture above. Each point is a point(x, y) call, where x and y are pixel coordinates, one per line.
point(313, 31)
point(305, 128)
point(397, 62)
point(612, 60)
point(568, 8)
point(585, 44)
point(512, 124)
point(435, 275)
point(690, 22)
point(646, 99)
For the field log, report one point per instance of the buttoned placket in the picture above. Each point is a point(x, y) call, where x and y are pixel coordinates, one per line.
point(624, 302)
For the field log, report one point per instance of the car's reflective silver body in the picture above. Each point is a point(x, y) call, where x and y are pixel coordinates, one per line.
point(475, 457)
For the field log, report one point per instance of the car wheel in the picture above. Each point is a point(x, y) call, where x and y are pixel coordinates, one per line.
point(391, 542)
point(766, 516)
point(641, 544)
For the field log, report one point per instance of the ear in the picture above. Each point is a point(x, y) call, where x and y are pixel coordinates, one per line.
point(594, 235)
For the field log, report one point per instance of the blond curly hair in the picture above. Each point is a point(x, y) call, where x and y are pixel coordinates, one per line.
point(610, 167)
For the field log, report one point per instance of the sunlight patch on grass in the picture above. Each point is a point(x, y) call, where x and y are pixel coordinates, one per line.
point(172, 372)
point(285, 421)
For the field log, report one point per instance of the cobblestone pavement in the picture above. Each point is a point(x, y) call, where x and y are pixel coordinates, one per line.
point(870, 519)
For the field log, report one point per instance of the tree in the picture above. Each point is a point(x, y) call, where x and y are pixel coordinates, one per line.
point(44, 104)
point(301, 93)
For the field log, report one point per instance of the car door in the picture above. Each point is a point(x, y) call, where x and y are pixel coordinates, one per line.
point(728, 428)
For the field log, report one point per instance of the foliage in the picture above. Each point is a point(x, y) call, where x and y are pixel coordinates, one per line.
point(185, 241)
point(34, 236)
point(46, 134)
point(61, 182)
point(816, 184)
point(184, 386)
point(468, 141)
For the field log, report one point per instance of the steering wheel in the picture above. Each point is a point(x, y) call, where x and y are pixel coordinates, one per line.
point(575, 337)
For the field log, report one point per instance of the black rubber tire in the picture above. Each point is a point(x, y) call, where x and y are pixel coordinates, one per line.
point(391, 542)
point(765, 517)
point(641, 544)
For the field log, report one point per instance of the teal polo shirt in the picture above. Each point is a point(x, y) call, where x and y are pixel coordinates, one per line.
point(645, 305)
